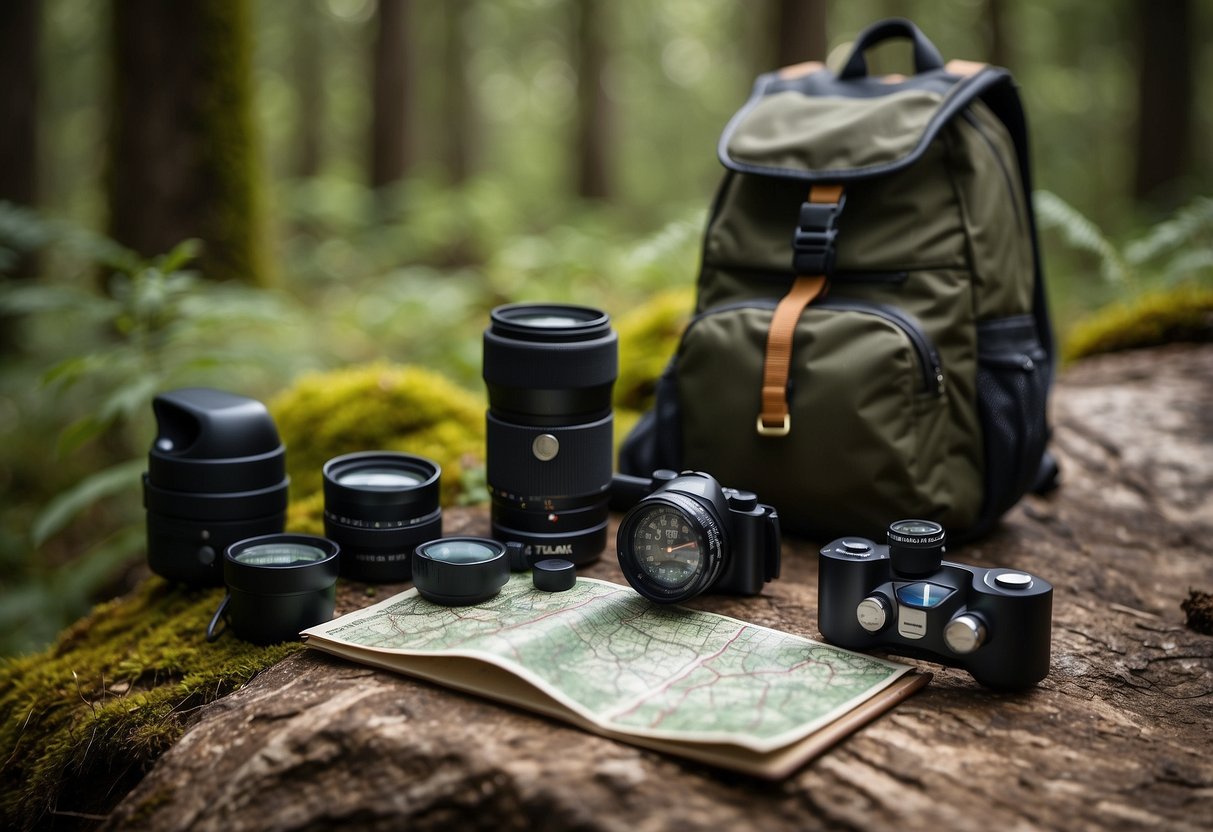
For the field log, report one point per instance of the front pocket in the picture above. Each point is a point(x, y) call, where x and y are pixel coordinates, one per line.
point(1011, 395)
point(864, 393)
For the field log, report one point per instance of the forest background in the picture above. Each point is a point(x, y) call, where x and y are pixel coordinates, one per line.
point(239, 192)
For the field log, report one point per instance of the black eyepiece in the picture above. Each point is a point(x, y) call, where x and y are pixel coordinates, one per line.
point(216, 474)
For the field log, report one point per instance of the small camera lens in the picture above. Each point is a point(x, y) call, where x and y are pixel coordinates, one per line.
point(916, 547)
point(378, 505)
point(280, 584)
point(458, 571)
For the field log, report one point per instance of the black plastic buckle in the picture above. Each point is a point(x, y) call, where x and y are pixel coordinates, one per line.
point(813, 240)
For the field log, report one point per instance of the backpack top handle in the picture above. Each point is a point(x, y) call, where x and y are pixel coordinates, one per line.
point(926, 56)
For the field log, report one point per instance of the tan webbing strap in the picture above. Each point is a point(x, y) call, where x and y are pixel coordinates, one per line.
point(774, 419)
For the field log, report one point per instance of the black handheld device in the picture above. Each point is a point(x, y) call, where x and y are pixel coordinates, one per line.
point(685, 534)
point(903, 597)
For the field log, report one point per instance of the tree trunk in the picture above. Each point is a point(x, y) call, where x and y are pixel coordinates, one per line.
point(998, 49)
point(593, 139)
point(390, 95)
point(183, 157)
point(1164, 101)
point(799, 31)
point(308, 59)
point(457, 117)
point(20, 29)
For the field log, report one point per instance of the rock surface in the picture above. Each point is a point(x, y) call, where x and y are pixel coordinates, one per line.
point(1118, 735)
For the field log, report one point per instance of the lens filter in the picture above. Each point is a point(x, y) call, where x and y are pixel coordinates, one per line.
point(459, 571)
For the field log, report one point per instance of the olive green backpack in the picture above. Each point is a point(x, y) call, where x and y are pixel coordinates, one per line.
point(870, 338)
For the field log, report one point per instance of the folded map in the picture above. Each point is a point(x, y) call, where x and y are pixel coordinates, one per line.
point(599, 656)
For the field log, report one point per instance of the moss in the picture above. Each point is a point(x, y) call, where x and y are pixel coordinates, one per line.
point(648, 336)
point(1181, 314)
point(81, 721)
point(377, 407)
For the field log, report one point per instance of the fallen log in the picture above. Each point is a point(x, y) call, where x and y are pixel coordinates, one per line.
point(1118, 735)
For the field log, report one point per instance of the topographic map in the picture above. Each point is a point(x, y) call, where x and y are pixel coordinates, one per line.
point(606, 659)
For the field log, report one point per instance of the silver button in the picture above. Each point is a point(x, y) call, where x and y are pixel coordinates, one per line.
point(1013, 580)
point(964, 634)
point(856, 547)
point(545, 447)
point(872, 613)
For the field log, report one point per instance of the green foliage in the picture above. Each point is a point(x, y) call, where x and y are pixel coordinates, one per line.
point(115, 690)
point(1165, 277)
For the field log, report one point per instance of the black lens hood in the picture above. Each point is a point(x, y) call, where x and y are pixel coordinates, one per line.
point(370, 504)
point(216, 476)
point(579, 355)
point(263, 579)
point(232, 505)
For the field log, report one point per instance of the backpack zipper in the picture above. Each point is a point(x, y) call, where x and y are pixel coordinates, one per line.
point(930, 367)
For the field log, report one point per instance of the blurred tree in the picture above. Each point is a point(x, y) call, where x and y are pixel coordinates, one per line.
point(1164, 101)
point(183, 156)
point(998, 50)
point(458, 120)
point(391, 94)
point(799, 31)
point(593, 123)
point(20, 26)
point(308, 64)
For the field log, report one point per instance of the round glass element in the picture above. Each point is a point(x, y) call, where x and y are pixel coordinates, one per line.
point(667, 547)
point(459, 551)
point(280, 554)
point(379, 477)
point(916, 528)
point(547, 321)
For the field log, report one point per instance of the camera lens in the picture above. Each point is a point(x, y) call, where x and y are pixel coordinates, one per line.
point(378, 505)
point(280, 584)
point(457, 571)
point(916, 547)
point(672, 544)
point(216, 475)
point(549, 369)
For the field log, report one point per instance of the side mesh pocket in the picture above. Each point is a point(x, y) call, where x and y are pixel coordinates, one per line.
point(1012, 389)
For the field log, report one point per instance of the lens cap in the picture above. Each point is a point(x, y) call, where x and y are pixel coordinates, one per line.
point(554, 575)
point(460, 571)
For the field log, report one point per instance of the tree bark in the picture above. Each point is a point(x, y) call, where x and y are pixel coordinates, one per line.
point(799, 31)
point(20, 30)
point(458, 121)
point(998, 51)
point(391, 95)
point(308, 60)
point(593, 139)
point(183, 156)
point(1117, 735)
point(1164, 101)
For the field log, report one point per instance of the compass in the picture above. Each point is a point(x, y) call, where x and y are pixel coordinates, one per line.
point(670, 547)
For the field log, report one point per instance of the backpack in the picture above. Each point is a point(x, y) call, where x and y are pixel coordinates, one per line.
point(871, 339)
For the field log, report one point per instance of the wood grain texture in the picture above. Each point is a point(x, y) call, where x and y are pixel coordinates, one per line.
point(1120, 734)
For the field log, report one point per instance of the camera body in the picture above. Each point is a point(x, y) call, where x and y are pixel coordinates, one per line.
point(685, 534)
point(994, 623)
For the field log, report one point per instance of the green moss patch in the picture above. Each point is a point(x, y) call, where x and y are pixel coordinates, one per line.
point(1184, 314)
point(378, 407)
point(82, 721)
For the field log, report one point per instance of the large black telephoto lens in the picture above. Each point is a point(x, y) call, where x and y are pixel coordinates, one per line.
point(549, 369)
point(216, 474)
point(378, 505)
